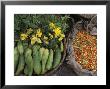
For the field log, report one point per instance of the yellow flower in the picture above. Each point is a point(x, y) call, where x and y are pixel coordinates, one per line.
point(51, 36)
point(33, 40)
point(61, 37)
point(46, 40)
point(29, 31)
point(52, 25)
point(39, 33)
point(57, 31)
point(39, 40)
point(33, 35)
point(23, 36)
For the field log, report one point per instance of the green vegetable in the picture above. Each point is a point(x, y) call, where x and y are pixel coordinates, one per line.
point(50, 60)
point(20, 47)
point(36, 47)
point(36, 60)
point(29, 61)
point(44, 60)
point(26, 70)
point(57, 57)
point(20, 65)
point(25, 45)
point(16, 58)
point(41, 51)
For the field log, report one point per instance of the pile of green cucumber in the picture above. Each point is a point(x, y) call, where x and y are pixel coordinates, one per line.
point(35, 60)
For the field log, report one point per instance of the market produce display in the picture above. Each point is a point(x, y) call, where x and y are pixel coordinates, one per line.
point(44, 42)
point(38, 43)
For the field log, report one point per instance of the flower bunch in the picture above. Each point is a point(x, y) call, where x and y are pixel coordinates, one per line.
point(38, 36)
point(58, 33)
point(45, 30)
